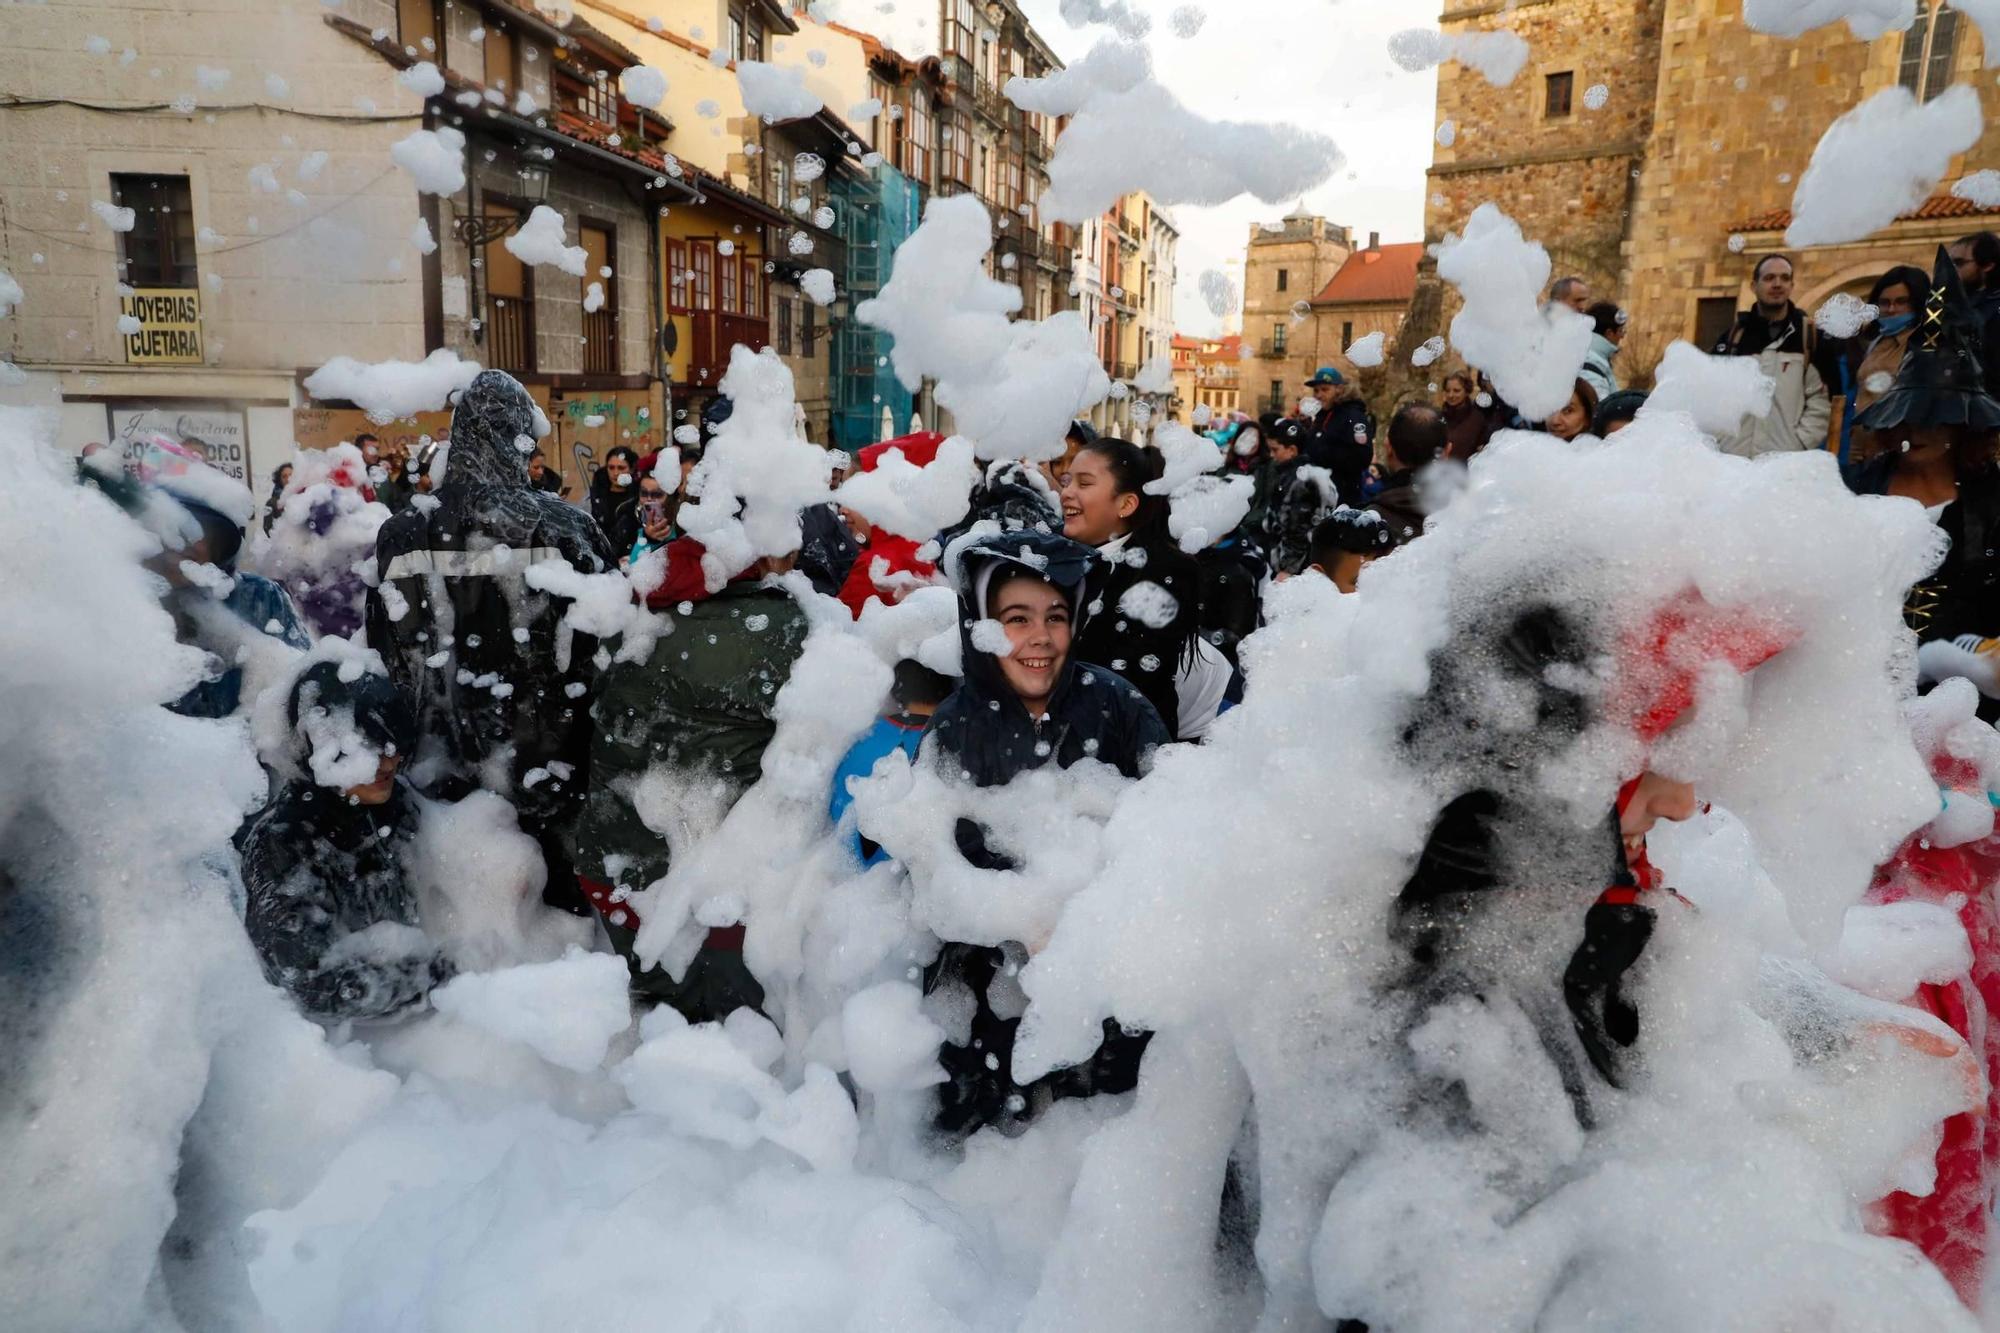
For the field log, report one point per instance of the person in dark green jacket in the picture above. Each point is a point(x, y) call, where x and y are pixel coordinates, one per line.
point(697, 710)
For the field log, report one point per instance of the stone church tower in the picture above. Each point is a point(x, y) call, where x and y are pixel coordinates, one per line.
point(1653, 147)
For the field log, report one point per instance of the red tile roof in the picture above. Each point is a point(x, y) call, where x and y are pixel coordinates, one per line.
point(1387, 273)
point(1937, 206)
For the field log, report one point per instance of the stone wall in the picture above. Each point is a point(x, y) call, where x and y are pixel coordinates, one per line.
point(1567, 179)
point(1705, 125)
point(1739, 116)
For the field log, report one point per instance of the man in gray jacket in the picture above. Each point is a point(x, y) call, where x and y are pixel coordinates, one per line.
point(1789, 350)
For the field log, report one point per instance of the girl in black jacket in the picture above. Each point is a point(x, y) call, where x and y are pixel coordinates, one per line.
point(1144, 596)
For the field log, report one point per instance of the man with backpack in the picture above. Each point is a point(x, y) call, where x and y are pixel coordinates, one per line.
point(1788, 349)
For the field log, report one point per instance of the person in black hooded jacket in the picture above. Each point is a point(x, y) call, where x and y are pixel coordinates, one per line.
point(501, 689)
point(324, 862)
point(1037, 705)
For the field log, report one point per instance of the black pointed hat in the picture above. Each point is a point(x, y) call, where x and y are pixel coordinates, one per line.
point(1942, 381)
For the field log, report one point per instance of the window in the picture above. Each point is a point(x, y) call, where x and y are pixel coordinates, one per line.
point(1556, 94)
point(589, 91)
point(732, 42)
point(753, 285)
point(1278, 339)
point(731, 302)
point(510, 302)
point(781, 179)
point(1346, 333)
point(600, 326)
point(159, 250)
point(1277, 393)
point(677, 277)
point(956, 150)
point(417, 25)
point(1284, 278)
point(701, 276)
point(500, 59)
point(961, 23)
point(1928, 47)
point(784, 313)
point(914, 157)
point(881, 130)
point(807, 332)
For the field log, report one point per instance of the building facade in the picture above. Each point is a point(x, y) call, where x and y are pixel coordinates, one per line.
point(1369, 294)
point(1286, 264)
point(1654, 146)
point(219, 267)
point(543, 125)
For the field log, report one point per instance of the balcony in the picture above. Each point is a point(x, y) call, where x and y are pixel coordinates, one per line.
point(600, 342)
point(715, 332)
point(510, 334)
point(1124, 370)
point(989, 101)
point(1272, 349)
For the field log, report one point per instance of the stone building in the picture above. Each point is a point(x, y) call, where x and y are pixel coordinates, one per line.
point(544, 125)
point(251, 141)
point(1370, 294)
point(1653, 147)
point(1285, 265)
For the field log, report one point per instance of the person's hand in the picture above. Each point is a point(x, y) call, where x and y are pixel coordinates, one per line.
point(657, 532)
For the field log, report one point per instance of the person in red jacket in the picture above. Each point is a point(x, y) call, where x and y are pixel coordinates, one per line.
point(888, 565)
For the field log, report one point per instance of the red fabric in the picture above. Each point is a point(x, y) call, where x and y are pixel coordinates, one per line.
point(1949, 1224)
point(900, 555)
point(1662, 660)
point(920, 448)
point(684, 582)
point(599, 893)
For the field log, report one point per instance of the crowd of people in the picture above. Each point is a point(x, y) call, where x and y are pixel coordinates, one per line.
point(1088, 633)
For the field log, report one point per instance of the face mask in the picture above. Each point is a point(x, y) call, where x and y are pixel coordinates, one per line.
point(1897, 323)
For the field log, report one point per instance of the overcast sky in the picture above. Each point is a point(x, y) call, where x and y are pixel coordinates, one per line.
point(1320, 64)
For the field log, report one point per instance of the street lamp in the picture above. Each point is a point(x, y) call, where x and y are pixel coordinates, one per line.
point(534, 173)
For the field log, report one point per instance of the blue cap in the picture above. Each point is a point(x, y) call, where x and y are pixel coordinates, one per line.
point(1325, 375)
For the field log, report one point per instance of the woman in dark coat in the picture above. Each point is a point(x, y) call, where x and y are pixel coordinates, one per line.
point(614, 498)
point(1035, 706)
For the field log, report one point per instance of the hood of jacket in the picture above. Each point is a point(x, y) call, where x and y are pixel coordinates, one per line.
point(492, 414)
point(382, 718)
point(1062, 563)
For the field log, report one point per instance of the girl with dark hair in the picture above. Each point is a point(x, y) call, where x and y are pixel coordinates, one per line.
point(1144, 594)
point(614, 498)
